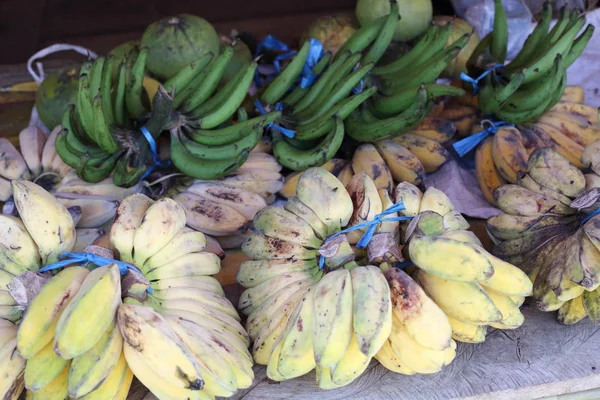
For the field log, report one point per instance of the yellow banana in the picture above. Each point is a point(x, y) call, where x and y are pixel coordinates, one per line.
point(563, 145)
point(411, 196)
point(367, 159)
point(353, 363)
point(467, 333)
point(184, 242)
point(55, 390)
point(464, 117)
point(13, 166)
point(17, 245)
point(389, 360)
point(511, 315)
point(31, 145)
point(590, 158)
point(579, 109)
point(192, 264)
point(96, 210)
point(507, 279)
point(488, 176)
point(334, 166)
point(116, 385)
point(573, 93)
point(401, 162)
point(252, 273)
point(11, 370)
point(243, 201)
point(578, 128)
point(346, 174)
point(295, 206)
point(260, 247)
point(99, 295)
point(552, 171)
point(509, 153)
point(277, 222)
point(367, 204)
point(572, 311)
point(37, 328)
point(439, 129)
point(423, 320)
point(47, 221)
point(431, 154)
point(129, 216)
point(44, 367)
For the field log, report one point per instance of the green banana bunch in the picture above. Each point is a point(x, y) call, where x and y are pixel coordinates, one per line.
point(535, 80)
point(553, 242)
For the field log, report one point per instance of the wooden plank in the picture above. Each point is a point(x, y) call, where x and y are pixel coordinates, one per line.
point(540, 359)
point(20, 23)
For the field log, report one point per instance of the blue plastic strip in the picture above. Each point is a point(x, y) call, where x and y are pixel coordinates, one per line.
point(278, 107)
point(475, 82)
point(371, 227)
point(467, 144)
point(404, 264)
point(590, 216)
point(156, 161)
point(315, 53)
point(270, 42)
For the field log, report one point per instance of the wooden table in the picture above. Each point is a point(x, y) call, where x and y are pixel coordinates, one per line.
point(540, 360)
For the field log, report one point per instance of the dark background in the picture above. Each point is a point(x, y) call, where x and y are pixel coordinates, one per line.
point(29, 25)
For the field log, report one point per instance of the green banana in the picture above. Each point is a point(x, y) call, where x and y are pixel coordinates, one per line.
point(534, 40)
point(199, 168)
point(134, 90)
point(499, 45)
point(93, 171)
point(384, 38)
point(494, 94)
point(578, 46)
point(119, 101)
point(106, 88)
point(392, 105)
point(299, 92)
point(279, 86)
point(104, 137)
point(65, 153)
point(300, 160)
point(233, 133)
point(84, 102)
point(362, 38)
point(182, 79)
point(227, 151)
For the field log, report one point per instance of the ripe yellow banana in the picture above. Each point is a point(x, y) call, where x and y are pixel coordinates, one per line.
point(332, 319)
point(277, 222)
point(389, 360)
point(411, 196)
point(295, 206)
point(334, 166)
point(243, 201)
point(439, 129)
point(572, 311)
point(116, 385)
point(464, 117)
point(184, 242)
point(31, 145)
point(509, 153)
point(467, 333)
point(423, 320)
point(573, 93)
point(517, 200)
point(431, 154)
point(11, 369)
point(487, 174)
point(13, 166)
point(55, 390)
point(511, 315)
point(367, 159)
point(367, 203)
point(353, 363)
point(590, 156)
point(18, 246)
point(578, 128)
point(261, 160)
point(37, 328)
point(96, 210)
point(129, 215)
point(47, 221)
point(252, 273)
point(161, 222)
point(44, 367)
point(191, 264)
point(99, 295)
point(261, 181)
point(581, 110)
point(401, 162)
point(260, 247)
point(563, 145)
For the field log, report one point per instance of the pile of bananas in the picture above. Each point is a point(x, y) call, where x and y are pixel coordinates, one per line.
point(567, 128)
point(302, 316)
point(406, 87)
point(405, 158)
point(473, 288)
point(44, 231)
point(544, 230)
point(535, 79)
point(224, 208)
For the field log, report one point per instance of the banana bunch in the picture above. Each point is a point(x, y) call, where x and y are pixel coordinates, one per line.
point(454, 273)
point(212, 134)
point(536, 78)
point(300, 316)
point(406, 88)
point(38, 161)
point(406, 158)
point(183, 339)
point(44, 231)
point(544, 231)
point(224, 208)
point(98, 137)
point(567, 128)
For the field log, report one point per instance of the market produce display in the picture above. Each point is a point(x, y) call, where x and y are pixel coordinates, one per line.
point(549, 230)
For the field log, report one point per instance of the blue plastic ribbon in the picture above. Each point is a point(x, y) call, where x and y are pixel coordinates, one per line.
point(371, 227)
point(278, 107)
point(361, 85)
point(315, 52)
point(467, 144)
point(475, 82)
point(590, 216)
point(156, 161)
point(402, 265)
point(270, 42)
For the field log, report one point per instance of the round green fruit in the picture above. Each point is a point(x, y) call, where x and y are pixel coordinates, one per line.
point(460, 27)
point(415, 16)
point(331, 31)
point(56, 92)
point(175, 42)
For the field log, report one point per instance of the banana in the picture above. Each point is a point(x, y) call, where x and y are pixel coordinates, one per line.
point(589, 156)
point(403, 165)
point(282, 83)
point(116, 385)
point(161, 222)
point(47, 221)
point(367, 203)
point(367, 159)
point(572, 311)
point(96, 210)
point(129, 215)
point(260, 247)
point(578, 128)
point(334, 166)
point(139, 324)
point(263, 182)
point(589, 113)
point(573, 94)
point(300, 209)
point(277, 222)
point(192, 264)
point(353, 363)
point(431, 154)
point(11, 370)
point(557, 141)
point(207, 283)
point(508, 227)
point(551, 170)
point(517, 200)
point(509, 153)
point(184, 242)
point(31, 144)
point(91, 369)
point(450, 259)
point(211, 299)
point(467, 333)
point(423, 320)
point(17, 245)
point(296, 356)
point(389, 360)
point(12, 165)
point(37, 327)
point(134, 89)
point(528, 182)
point(211, 217)
point(487, 174)
point(370, 334)
point(332, 319)
point(55, 390)
point(438, 129)
point(511, 315)
point(43, 368)
point(464, 301)
point(100, 293)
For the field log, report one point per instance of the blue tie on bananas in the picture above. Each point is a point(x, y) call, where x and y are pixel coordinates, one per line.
point(549, 230)
point(534, 81)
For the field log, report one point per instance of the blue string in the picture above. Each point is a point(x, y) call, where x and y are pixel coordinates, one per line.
point(68, 258)
point(156, 161)
point(270, 42)
point(371, 227)
point(404, 264)
point(475, 82)
point(315, 53)
point(278, 107)
point(590, 216)
point(467, 144)
point(361, 85)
